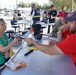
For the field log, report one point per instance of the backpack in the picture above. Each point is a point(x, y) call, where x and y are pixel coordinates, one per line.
point(37, 31)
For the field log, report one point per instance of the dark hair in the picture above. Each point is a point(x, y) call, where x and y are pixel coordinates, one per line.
point(2, 20)
point(51, 6)
point(33, 5)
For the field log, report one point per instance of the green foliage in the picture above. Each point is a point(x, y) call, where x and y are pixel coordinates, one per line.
point(5, 9)
point(22, 4)
point(59, 4)
point(45, 6)
point(37, 5)
point(67, 4)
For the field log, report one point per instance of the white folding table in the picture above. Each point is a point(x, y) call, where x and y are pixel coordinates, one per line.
point(39, 63)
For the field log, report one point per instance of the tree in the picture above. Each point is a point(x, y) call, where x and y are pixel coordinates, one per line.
point(67, 4)
point(22, 4)
point(37, 5)
point(5, 9)
point(45, 6)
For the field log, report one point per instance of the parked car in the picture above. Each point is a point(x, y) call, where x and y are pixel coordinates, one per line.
point(2, 12)
point(8, 13)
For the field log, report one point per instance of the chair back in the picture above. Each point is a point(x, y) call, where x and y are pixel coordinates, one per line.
point(37, 31)
point(36, 26)
point(13, 22)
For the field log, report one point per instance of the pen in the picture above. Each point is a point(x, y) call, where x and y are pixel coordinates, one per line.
point(28, 52)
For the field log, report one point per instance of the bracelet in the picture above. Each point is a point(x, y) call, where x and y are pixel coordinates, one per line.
point(33, 42)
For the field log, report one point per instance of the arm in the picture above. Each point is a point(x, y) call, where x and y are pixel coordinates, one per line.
point(51, 50)
point(52, 42)
point(33, 14)
point(52, 17)
point(5, 49)
point(62, 30)
point(55, 14)
point(60, 36)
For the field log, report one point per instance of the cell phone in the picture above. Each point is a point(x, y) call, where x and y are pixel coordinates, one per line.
point(28, 52)
point(21, 37)
point(30, 45)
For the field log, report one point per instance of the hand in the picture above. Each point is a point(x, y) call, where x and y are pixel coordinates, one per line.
point(48, 34)
point(29, 40)
point(64, 27)
point(16, 40)
point(52, 42)
point(52, 17)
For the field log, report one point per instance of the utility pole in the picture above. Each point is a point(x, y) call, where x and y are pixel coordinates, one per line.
point(17, 9)
point(27, 3)
point(72, 5)
point(14, 7)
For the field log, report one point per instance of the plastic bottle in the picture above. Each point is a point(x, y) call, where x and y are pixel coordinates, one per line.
point(29, 34)
point(32, 33)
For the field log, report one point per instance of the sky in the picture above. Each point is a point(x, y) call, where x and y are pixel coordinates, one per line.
point(12, 3)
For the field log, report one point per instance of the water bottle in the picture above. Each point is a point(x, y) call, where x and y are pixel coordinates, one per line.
point(28, 34)
point(32, 33)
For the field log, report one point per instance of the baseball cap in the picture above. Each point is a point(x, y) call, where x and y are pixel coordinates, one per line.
point(33, 5)
point(51, 6)
point(61, 14)
point(71, 18)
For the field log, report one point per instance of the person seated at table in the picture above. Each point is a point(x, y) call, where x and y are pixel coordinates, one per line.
point(4, 46)
point(67, 46)
point(17, 15)
point(57, 26)
point(59, 23)
point(63, 32)
point(13, 21)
